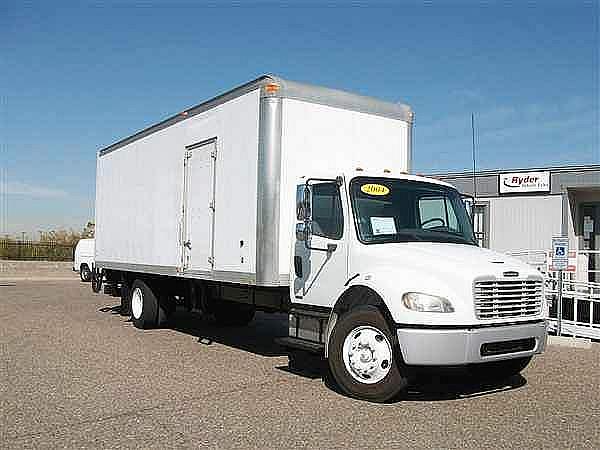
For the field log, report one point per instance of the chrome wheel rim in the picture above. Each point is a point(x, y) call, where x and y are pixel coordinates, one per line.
point(367, 354)
point(137, 303)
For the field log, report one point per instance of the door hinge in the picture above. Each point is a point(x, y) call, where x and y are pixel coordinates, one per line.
point(213, 154)
point(188, 154)
point(211, 205)
point(211, 260)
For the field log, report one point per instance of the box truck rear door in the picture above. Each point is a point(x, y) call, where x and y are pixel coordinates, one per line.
point(198, 207)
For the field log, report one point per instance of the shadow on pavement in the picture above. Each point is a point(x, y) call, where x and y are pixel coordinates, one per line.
point(259, 338)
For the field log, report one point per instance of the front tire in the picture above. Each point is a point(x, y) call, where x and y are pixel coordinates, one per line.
point(144, 305)
point(364, 358)
point(85, 273)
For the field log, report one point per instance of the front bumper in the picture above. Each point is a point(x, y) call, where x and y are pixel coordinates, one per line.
point(459, 346)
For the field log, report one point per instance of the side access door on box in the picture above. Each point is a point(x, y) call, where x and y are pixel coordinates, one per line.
point(198, 211)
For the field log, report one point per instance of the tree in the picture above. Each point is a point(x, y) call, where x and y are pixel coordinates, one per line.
point(88, 230)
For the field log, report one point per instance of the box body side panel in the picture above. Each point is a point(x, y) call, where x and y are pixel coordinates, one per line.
point(139, 191)
point(320, 140)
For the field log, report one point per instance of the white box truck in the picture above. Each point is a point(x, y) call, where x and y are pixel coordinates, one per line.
point(282, 196)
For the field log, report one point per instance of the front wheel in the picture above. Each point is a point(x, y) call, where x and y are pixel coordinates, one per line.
point(363, 356)
point(85, 273)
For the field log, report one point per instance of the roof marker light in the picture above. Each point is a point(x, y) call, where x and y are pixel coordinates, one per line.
point(271, 88)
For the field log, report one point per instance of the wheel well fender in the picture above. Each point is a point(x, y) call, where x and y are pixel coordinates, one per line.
point(354, 296)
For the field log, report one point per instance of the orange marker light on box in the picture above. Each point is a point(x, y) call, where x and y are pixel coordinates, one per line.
point(271, 88)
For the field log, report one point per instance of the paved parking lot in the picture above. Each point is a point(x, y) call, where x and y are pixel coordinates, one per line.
point(74, 373)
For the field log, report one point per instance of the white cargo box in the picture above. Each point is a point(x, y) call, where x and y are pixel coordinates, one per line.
point(210, 193)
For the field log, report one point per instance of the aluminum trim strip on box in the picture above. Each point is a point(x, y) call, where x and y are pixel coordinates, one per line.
point(340, 99)
point(217, 275)
point(268, 195)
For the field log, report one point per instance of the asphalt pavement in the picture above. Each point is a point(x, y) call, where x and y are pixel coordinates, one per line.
point(74, 373)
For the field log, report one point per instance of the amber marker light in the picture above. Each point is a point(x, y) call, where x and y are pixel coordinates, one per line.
point(271, 88)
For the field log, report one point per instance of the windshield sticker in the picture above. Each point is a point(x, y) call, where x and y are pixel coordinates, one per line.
point(374, 189)
point(383, 225)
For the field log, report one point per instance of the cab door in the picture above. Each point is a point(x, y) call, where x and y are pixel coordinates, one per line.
point(320, 265)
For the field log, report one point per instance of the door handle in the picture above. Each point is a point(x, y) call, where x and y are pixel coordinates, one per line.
point(188, 244)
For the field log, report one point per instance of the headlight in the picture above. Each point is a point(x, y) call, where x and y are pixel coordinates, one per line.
point(427, 303)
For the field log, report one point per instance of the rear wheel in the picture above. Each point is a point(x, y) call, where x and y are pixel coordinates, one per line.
point(97, 276)
point(498, 370)
point(85, 273)
point(144, 305)
point(363, 357)
point(233, 314)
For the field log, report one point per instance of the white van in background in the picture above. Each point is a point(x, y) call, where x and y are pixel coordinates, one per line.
point(83, 258)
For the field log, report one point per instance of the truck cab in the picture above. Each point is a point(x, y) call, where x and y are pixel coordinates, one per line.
point(390, 263)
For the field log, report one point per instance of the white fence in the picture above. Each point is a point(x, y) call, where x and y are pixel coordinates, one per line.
point(580, 298)
point(580, 307)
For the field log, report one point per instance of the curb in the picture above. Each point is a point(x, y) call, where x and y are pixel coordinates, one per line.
point(571, 342)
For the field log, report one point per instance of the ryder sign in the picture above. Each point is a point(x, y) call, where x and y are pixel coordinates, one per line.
point(524, 182)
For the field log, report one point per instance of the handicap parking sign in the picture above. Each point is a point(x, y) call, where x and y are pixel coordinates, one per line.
point(560, 252)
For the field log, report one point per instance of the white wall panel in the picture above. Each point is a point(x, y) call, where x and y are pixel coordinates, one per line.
point(524, 223)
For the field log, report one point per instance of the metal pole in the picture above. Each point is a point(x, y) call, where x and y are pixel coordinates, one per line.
point(474, 161)
point(559, 305)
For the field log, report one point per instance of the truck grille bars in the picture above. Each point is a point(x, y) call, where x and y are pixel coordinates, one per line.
point(497, 299)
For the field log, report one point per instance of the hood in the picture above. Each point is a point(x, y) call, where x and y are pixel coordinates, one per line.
point(443, 269)
point(447, 259)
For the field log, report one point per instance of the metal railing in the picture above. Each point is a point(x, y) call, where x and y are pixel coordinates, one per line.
point(580, 307)
point(580, 298)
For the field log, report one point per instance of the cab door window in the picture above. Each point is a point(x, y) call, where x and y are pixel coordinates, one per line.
point(327, 215)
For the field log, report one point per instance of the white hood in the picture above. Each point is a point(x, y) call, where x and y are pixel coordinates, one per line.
point(443, 269)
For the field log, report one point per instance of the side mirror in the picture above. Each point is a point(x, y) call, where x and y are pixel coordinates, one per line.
point(306, 204)
point(469, 202)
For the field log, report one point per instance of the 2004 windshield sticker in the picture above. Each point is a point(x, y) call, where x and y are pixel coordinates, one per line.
point(375, 189)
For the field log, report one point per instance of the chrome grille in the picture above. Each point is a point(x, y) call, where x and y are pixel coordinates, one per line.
point(499, 299)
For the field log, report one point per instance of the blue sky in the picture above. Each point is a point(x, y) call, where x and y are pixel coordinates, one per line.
point(76, 77)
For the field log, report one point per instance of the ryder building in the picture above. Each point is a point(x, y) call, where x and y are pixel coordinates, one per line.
point(519, 211)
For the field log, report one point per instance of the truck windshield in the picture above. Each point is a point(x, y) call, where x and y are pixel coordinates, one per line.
point(389, 210)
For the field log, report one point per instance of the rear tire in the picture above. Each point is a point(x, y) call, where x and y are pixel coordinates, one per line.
point(85, 273)
point(233, 314)
point(498, 370)
point(144, 305)
point(364, 357)
point(97, 276)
